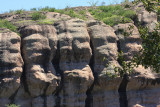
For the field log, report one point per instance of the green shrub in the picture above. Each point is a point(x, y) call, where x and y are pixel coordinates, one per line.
point(33, 9)
point(48, 9)
point(113, 20)
point(113, 14)
point(72, 13)
point(8, 25)
point(12, 105)
point(130, 14)
point(38, 16)
point(19, 11)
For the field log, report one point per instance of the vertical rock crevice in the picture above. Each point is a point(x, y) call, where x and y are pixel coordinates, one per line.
point(122, 92)
point(59, 74)
point(23, 76)
point(89, 99)
point(123, 85)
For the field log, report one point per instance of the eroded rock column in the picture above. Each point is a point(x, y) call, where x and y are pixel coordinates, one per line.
point(11, 65)
point(75, 54)
point(39, 47)
point(104, 42)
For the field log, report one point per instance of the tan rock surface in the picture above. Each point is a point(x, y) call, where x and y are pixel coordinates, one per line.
point(10, 65)
point(104, 43)
point(75, 54)
point(39, 47)
point(71, 63)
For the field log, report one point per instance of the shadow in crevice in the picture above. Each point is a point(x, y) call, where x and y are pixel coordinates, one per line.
point(122, 92)
point(122, 88)
point(89, 99)
point(59, 74)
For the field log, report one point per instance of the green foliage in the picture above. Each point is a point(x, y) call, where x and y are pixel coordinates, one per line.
point(127, 32)
point(33, 9)
point(48, 9)
point(38, 16)
point(19, 11)
point(113, 14)
point(126, 66)
point(12, 105)
point(150, 5)
point(113, 20)
point(8, 25)
point(72, 13)
point(46, 21)
point(150, 53)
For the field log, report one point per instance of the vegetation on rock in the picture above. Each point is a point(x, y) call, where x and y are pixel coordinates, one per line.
point(38, 16)
point(72, 13)
point(12, 105)
point(113, 14)
point(8, 25)
point(149, 55)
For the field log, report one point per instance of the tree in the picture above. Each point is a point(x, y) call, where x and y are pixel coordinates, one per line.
point(149, 55)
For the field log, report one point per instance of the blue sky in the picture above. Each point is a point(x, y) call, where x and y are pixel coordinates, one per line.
point(7, 5)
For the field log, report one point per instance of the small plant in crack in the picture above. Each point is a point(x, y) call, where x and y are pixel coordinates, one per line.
point(127, 32)
point(12, 105)
point(126, 66)
point(110, 75)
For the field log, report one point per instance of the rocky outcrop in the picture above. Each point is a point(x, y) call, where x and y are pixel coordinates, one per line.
point(11, 66)
point(75, 53)
point(104, 45)
point(39, 44)
point(71, 64)
point(145, 18)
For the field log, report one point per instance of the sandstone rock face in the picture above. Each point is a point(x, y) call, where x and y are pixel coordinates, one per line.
point(71, 63)
point(39, 47)
point(11, 66)
point(129, 39)
point(147, 19)
point(104, 42)
point(75, 53)
point(143, 79)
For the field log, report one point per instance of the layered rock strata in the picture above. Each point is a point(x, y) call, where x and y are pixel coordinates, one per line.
point(71, 63)
point(11, 66)
point(75, 53)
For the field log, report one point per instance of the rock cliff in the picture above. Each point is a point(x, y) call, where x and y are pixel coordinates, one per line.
point(62, 65)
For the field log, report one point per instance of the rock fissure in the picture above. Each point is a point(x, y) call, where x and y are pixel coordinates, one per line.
point(123, 101)
point(122, 92)
point(23, 76)
point(89, 99)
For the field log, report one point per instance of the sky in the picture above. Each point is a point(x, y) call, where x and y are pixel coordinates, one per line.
point(7, 5)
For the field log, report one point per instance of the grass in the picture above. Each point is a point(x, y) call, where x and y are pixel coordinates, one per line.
point(40, 22)
point(19, 11)
point(38, 16)
point(8, 25)
point(47, 9)
point(68, 11)
point(46, 21)
point(72, 13)
point(113, 14)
